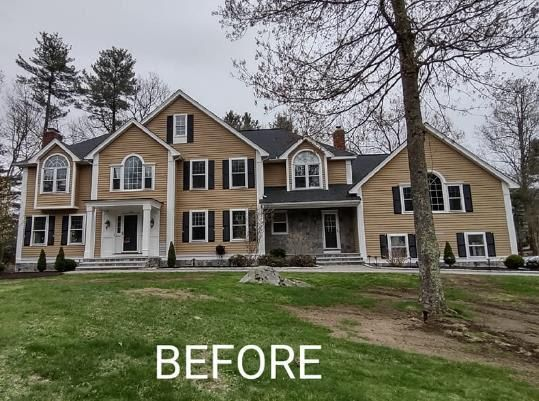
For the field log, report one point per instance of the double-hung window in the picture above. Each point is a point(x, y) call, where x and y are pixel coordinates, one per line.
point(279, 223)
point(199, 174)
point(398, 245)
point(454, 194)
point(132, 175)
point(443, 197)
point(199, 225)
point(476, 244)
point(306, 170)
point(238, 173)
point(76, 230)
point(407, 199)
point(238, 225)
point(180, 126)
point(39, 230)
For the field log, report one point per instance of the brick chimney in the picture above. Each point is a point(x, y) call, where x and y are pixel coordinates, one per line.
point(49, 135)
point(338, 138)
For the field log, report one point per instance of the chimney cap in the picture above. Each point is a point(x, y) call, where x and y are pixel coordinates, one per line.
point(52, 129)
point(338, 127)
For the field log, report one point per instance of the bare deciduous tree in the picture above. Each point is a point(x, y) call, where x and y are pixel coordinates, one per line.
point(82, 128)
point(150, 91)
point(329, 58)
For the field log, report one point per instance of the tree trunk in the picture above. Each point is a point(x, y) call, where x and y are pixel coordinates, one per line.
point(48, 105)
point(431, 295)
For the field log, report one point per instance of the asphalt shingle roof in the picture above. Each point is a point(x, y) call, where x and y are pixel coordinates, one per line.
point(364, 164)
point(337, 192)
point(81, 149)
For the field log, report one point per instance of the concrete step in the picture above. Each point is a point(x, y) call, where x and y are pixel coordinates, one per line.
point(339, 259)
point(113, 263)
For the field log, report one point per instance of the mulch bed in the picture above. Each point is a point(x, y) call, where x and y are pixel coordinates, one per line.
point(19, 275)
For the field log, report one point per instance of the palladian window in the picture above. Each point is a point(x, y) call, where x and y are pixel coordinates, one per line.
point(306, 170)
point(132, 175)
point(55, 172)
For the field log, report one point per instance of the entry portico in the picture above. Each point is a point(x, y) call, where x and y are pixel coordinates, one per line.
point(127, 226)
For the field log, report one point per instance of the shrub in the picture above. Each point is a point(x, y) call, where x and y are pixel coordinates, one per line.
point(2, 266)
point(301, 261)
point(239, 261)
point(60, 260)
point(278, 253)
point(449, 256)
point(514, 262)
point(220, 250)
point(171, 259)
point(42, 261)
point(69, 265)
point(272, 261)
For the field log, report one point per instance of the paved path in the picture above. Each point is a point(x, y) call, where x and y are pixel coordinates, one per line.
point(319, 269)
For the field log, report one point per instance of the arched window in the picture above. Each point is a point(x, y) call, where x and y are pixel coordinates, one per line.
point(436, 190)
point(306, 170)
point(55, 172)
point(133, 173)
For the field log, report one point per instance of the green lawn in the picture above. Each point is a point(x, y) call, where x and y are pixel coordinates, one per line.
point(87, 337)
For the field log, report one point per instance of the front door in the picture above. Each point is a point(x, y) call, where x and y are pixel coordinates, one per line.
point(331, 230)
point(130, 233)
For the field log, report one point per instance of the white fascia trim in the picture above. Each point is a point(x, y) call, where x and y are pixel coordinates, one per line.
point(180, 93)
point(326, 152)
point(95, 177)
point(73, 184)
point(344, 157)
point(22, 217)
point(123, 202)
point(509, 217)
point(361, 226)
point(349, 178)
point(52, 143)
point(171, 198)
point(122, 129)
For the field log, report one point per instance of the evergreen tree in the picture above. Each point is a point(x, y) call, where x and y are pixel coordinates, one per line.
point(52, 76)
point(59, 264)
point(449, 256)
point(171, 261)
point(107, 88)
point(241, 122)
point(284, 121)
point(42, 261)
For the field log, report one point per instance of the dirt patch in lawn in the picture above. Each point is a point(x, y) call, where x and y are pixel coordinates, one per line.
point(19, 275)
point(169, 293)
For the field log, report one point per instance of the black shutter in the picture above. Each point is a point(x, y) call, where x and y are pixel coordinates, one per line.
point(211, 226)
point(412, 246)
point(225, 175)
point(185, 227)
point(50, 239)
point(468, 205)
point(65, 228)
point(226, 225)
point(491, 245)
point(27, 231)
point(384, 252)
point(190, 131)
point(170, 129)
point(397, 207)
point(251, 173)
point(211, 174)
point(253, 232)
point(186, 177)
point(461, 245)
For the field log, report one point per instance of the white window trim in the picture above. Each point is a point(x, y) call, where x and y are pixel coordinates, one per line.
point(68, 176)
point(232, 239)
point(32, 243)
point(231, 186)
point(191, 226)
point(83, 230)
point(445, 190)
point(121, 166)
point(191, 175)
point(293, 169)
point(389, 236)
point(175, 137)
point(285, 221)
point(466, 242)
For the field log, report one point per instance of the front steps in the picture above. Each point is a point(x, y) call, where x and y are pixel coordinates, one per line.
point(329, 259)
point(113, 263)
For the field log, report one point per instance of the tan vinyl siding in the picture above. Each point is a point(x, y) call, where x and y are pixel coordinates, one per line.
point(337, 171)
point(307, 146)
point(83, 186)
point(53, 199)
point(275, 174)
point(213, 142)
point(488, 202)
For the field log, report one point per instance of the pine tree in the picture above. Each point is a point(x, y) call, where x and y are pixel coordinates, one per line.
point(241, 122)
point(171, 261)
point(53, 77)
point(42, 261)
point(107, 88)
point(284, 121)
point(449, 256)
point(59, 264)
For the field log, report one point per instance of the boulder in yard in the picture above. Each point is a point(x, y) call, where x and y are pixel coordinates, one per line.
point(268, 275)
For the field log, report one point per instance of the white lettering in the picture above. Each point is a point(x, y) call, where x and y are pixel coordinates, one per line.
point(171, 361)
point(189, 361)
point(260, 366)
point(303, 361)
point(216, 361)
point(285, 364)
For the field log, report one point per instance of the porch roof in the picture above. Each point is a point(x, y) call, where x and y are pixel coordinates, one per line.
point(101, 203)
point(335, 195)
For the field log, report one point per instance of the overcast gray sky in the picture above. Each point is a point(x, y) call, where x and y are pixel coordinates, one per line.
point(179, 40)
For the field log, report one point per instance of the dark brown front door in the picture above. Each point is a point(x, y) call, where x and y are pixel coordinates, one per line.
point(130, 233)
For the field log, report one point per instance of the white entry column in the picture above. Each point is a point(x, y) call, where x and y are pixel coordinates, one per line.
point(89, 245)
point(146, 226)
